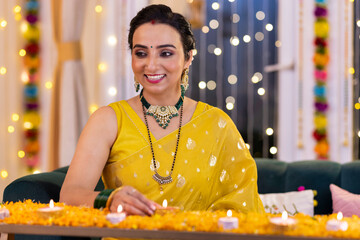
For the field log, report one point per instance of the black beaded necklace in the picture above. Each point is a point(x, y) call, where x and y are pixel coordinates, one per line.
point(162, 114)
point(157, 177)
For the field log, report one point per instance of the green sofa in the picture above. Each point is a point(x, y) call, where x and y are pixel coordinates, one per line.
point(273, 177)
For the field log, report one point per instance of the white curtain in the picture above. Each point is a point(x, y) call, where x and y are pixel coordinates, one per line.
point(69, 104)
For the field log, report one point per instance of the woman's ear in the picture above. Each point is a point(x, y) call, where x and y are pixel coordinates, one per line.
point(189, 61)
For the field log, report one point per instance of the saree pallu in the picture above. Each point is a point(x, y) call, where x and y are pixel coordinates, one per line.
point(213, 168)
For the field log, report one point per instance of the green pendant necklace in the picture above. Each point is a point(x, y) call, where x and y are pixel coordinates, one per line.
point(162, 114)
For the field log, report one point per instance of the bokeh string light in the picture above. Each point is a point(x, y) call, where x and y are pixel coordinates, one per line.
point(31, 57)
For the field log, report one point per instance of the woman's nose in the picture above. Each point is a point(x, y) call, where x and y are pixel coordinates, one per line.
point(151, 62)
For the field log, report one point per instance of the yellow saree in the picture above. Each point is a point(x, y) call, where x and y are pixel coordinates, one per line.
point(213, 169)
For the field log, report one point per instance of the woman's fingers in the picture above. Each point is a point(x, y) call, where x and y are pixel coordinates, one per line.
point(133, 202)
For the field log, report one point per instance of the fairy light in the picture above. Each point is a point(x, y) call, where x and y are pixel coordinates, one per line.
point(194, 51)
point(11, 129)
point(234, 40)
point(246, 38)
point(24, 27)
point(112, 91)
point(214, 24)
point(4, 174)
point(217, 51)
point(93, 108)
point(273, 150)
point(352, 70)
point(230, 99)
point(255, 79)
point(269, 27)
point(235, 18)
point(102, 67)
point(28, 125)
point(211, 48)
point(36, 171)
point(261, 91)
point(278, 43)
point(269, 131)
point(260, 15)
point(22, 52)
point(3, 70)
point(24, 77)
point(48, 85)
point(202, 85)
point(211, 85)
point(229, 106)
point(357, 106)
point(21, 154)
point(358, 23)
point(358, 134)
point(231, 0)
point(205, 29)
point(215, 6)
point(98, 8)
point(18, 16)
point(3, 23)
point(112, 40)
point(15, 117)
point(259, 36)
point(232, 79)
point(17, 9)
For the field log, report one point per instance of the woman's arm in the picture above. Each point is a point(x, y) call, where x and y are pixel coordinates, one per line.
point(87, 165)
point(90, 157)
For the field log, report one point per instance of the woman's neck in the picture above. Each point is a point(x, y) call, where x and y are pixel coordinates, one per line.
point(166, 99)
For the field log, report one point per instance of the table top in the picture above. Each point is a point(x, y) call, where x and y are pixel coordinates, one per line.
point(144, 234)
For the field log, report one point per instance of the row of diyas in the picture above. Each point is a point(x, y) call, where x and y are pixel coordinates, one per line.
point(282, 223)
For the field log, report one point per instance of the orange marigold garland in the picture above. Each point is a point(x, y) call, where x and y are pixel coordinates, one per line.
point(321, 60)
point(204, 221)
point(31, 89)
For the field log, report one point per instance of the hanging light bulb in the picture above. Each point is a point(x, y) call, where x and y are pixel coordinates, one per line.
point(234, 40)
point(260, 15)
point(232, 79)
point(202, 85)
point(269, 27)
point(3, 70)
point(98, 8)
point(205, 29)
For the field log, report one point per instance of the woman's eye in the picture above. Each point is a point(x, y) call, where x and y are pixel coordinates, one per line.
point(140, 54)
point(166, 54)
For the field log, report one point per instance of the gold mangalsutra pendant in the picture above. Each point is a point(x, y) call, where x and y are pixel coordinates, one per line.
point(162, 180)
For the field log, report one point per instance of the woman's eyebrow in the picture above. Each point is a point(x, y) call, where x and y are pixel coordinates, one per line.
point(160, 46)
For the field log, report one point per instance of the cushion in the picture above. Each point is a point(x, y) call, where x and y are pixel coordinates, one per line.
point(344, 201)
point(292, 202)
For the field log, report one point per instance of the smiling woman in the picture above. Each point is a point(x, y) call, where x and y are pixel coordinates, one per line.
point(161, 145)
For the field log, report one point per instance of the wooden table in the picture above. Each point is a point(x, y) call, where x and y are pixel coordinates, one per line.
point(8, 230)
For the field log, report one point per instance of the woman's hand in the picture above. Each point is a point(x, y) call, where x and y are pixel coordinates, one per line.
point(133, 202)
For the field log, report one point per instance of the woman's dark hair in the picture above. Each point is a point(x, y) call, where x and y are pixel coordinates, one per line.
point(159, 13)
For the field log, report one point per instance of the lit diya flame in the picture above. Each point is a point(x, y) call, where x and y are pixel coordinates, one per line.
point(51, 204)
point(119, 208)
point(284, 216)
point(165, 203)
point(339, 216)
point(229, 213)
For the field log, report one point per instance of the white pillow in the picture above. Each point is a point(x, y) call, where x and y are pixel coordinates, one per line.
point(292, 202)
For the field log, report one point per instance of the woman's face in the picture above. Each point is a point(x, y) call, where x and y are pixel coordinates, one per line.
point(158, 58)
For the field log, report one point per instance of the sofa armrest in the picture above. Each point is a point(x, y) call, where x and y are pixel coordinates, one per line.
point(40, 187)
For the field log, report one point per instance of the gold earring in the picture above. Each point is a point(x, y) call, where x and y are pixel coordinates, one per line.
point(185, 79)
point(137, 85)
